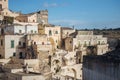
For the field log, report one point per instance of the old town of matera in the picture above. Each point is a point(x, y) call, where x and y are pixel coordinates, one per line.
point(33, 49)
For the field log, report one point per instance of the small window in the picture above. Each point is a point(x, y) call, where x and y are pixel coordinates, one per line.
point(20, 31)
point(85, 44)
point(31, 31)
point(89, 43)
point(50, 32)
point(67, 33)
point(42, 43)
point(98, 42)
point(35, 31)
point(12, 43)
point(33, 20)
point(24, 44)
point(56, 32)
point(0, 6)
point(34, 43)
point(70, 42)
point(14, 54)
point(80, 75)
point(20, 55)
point(19, 43)
point(1, 42)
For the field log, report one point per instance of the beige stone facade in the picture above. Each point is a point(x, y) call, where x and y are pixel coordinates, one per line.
point(66, 31)
point(10, 44)
point(35, 17)
point(54, 34)
point(69, 44)
point(41, 42)
point(7, 12)
point(87, 38)
point(3, 4)
point(65, 66)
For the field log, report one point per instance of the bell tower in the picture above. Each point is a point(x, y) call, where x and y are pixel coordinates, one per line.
point(3, 4)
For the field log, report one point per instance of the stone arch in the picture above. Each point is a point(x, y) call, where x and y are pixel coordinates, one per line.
point(75, 73)
point(56, 61)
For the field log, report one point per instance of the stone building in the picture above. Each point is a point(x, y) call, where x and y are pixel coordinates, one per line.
point(12, 45)
point(83, 39)
point(65, 65)
point(54, 35)
point(39, 45)
point(35, 17)
point(19, 29)
point(24, 69)
point(66, 31)
point(13, 40)
point(3, 4)
point(68, 44)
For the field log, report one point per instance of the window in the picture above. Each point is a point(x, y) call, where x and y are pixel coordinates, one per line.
point(31, 31)
point(50, 32)
point(70, 42)
point(42, 43)
point(19, 43)
point(20, 31)
point(2, 31)
point(67, 32)
point(33, 20)
point(34, 43)
point(20, 55)
point(12, 43)
point(80, 75)
point(0, 6)
point(1, 42)
point(85, 44)
point(35, 31)
point(24, 44)
point(56, 32)
point(89, 43)
point(98, 42)
point(14, 54)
